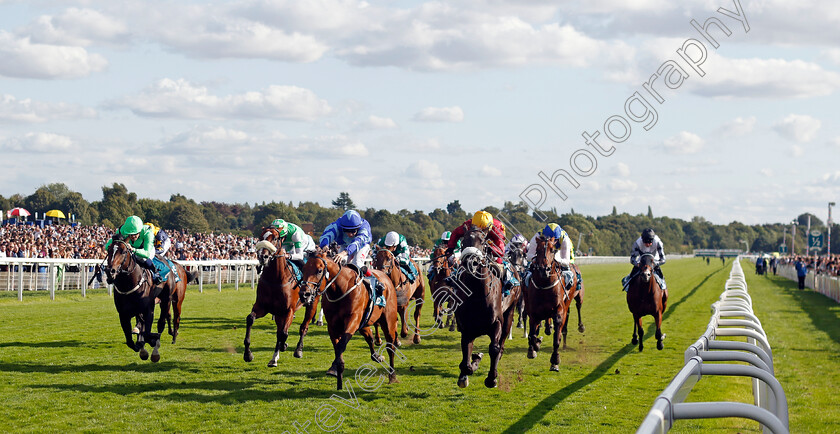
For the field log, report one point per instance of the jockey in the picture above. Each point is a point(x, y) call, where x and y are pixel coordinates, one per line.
point(294, 241)
point(162, 241)
point(564, 253)
point(648, 243)
point(453, 259)
point(141, 240)
point(518, 242)
point(495, 231)
point(397, 244)
point(352, 233)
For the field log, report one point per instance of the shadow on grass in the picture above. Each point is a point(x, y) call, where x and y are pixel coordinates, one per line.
point(56, 344)
point(823, 311)
point(530, 419)
point(26, 368)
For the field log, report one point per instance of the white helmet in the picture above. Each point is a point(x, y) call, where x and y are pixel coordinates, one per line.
point(392, 239)
point(518, 239)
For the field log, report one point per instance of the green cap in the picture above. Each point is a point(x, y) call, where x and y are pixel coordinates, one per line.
point(132, 225)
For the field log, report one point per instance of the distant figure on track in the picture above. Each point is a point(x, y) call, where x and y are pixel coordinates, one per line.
point(648, 243)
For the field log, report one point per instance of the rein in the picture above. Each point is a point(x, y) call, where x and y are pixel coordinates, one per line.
point(128, 257)
point(324, 276)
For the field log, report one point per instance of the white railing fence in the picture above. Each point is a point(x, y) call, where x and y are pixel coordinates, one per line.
point(732, 316)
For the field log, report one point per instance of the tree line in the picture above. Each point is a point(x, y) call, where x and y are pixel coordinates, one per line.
point(607, 235)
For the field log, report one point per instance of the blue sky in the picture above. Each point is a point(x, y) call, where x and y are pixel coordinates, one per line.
point(414, 104)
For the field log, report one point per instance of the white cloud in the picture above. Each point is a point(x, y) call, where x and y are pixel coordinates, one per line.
point(182, 99)
point(738, 127)
point(424, 169)
point(834, 142)
point(832, 54)
point(490, 171)
point(684, 143)
point(799, 128)
point(379, 123)
point(764, 78)
point(622, 169)
point(38, 142)
point(623, 185)
point(24, 59)
point(797, 151)
point(27, 110)
point(440, 114)
point(79, 27)
point(767, 172)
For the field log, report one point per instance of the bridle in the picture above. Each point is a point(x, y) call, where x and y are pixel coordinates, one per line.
point(311, 288)
point(389, 264)
point(121, 269)
point(548, 269)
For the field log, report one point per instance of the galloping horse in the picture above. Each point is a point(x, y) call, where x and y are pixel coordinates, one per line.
point(345, 302)
point(646, 297)
point(440, 262)
point(484, 310)
point(517, 260)
point(134, 296)
point(386, 262)
point(176, 291)
point(278, 293)
point(546, 298)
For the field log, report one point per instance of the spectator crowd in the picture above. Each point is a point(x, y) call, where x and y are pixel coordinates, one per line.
point(816, 264)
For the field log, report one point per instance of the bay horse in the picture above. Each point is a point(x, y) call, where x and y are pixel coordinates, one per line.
point(546, 299)
point(134, 296)
point(483, 309)
point(437, 284)
point(278, 293)
point(345, 299)
point(517, 260)
point(406, 291)
point(176, 291)
point(646, 297)
point(272, 235)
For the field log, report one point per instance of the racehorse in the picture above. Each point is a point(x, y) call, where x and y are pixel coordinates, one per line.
point(272, 235)
point(278, 293)
point(386, 262)
point(546, 298)
point(346, 300)
point(176, 291)
point(440, 262)
point(134, 296)
point(517, 260)
point(645, 297)
point(484, 310)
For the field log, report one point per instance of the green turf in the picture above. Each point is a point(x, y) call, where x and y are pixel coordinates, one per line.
point(64, 367)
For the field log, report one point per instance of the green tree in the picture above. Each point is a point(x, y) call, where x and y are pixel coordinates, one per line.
point(117, 204)
point(74, 205)
point(187, 216)
point(344, 202)
point(41, 201)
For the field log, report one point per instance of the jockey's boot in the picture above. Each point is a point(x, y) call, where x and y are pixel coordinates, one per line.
point(156, 279)
point(431, 274)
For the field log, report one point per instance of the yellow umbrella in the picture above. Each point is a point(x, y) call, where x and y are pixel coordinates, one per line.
point(55, 213)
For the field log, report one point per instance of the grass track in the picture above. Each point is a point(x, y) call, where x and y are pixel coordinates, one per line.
point(64, 368)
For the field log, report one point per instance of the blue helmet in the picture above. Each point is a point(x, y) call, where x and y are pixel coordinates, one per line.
point(552, 230)
point(350, 220)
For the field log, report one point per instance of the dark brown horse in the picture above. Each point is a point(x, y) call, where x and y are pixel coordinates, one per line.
point(134, 296)
point(386, 262)
point(516, 257)
point(483, 310)
point(345, 300)
point(438, 286)
point(278, 293)
point(646, 297)
point(548, 299)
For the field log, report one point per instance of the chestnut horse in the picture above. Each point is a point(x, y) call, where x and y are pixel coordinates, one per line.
point(546, 299)
point(386, 262)
point(440, 261)
point(134, 296)
point(346, 299)
point(176, 291)
point(483, 309)
point(278, 293)
point(646, 297)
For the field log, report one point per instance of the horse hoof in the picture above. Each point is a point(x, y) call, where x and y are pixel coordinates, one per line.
point(397, 343)
point(532, 354)
point(634, 341)
point(463, 382)
point(403, 334)
point(272, 364)
point(155, 358)
point(319, 323)
point(452, 327)
point(298, 354)
point(555, 368)
point(144, 355)
point(173, 339)
point(332, 372)
point(377, 358)
point(490, 382)
point(416, 339)
point(641, 348)
point(659, 345)
point(392, 378)
point(283, 347)
point(476, 358)
point(135, 331)
point(581, 328)
point(248, 356)
point(378, 342)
